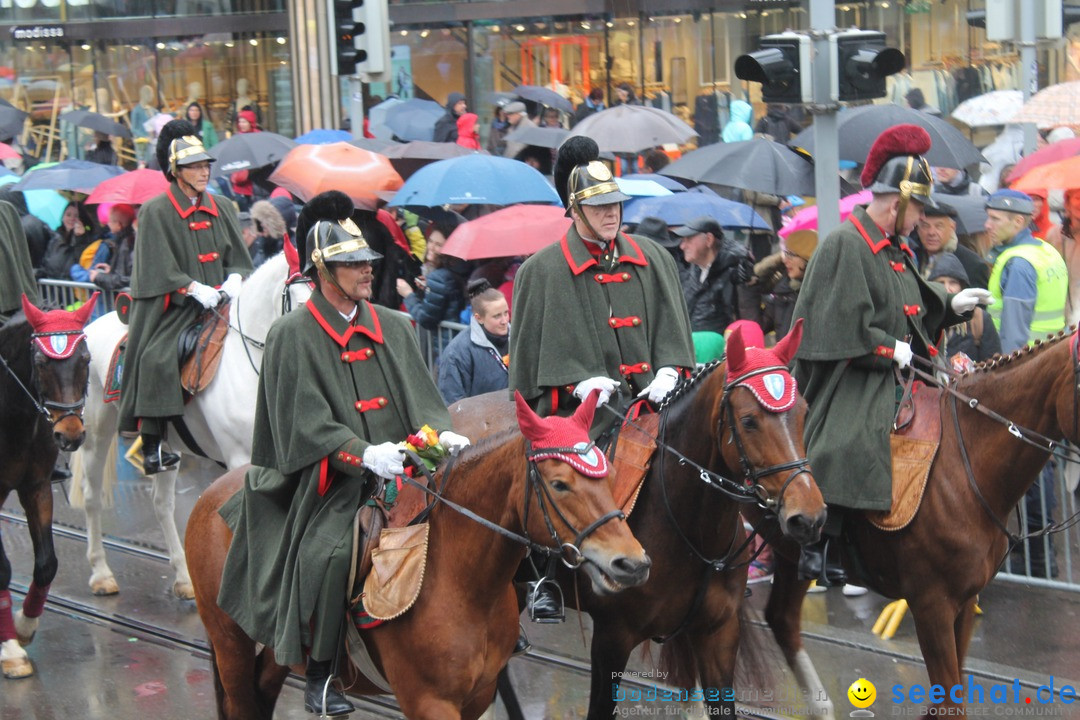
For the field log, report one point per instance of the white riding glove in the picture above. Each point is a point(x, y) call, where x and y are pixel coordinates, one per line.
point(662, 384)
point(902, 354)
point(231, 286)
point(205, 295)
point(605, 385)
point(966, 300)
point(386, 460)
point(453, 441)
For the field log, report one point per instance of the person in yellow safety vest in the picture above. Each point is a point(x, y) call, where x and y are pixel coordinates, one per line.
point(1029, 280)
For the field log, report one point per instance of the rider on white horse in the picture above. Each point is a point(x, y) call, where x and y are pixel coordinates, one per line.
point(188, 252)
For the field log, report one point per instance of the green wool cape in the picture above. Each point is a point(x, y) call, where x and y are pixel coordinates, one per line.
point(563, 316)
point(16, 270)
point(177, 242)
point(860, 295)
point(286, 573)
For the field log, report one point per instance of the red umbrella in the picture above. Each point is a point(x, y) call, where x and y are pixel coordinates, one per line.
point(133, 188)
point(8, 152)
point(1051, 153)
point(311, 169)
point(515, 230)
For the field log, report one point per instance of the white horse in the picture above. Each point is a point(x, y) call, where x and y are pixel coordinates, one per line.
point(220, 418)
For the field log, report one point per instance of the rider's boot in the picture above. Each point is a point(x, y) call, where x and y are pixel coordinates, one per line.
point(155, 458)
point(522, 645)
point(60, 472)
point(819, 562)
point(319, 685)
point(544, 604)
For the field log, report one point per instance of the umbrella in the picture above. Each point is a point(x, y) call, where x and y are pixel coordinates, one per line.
point(1051, 153)
point(681, 208)
point(860, 127)
point(544, 96)
point(413, 119)
point(47, 205)
point(633, 128)
point(515, 230)
point(548, 137)
point(407, 158)
point(993, 108)
point(641, 188)
point(133, 188)
point(1063, 174)
point(670, 183)
point(244, 151)
point(320, 136)
point(11, 121)
point(8, 152)
point(95, 121)
point(377, 119)
point(1055, 105)
point(71, 174)
point(970, 210)
point(758, 164)
point(806, 219)
point(476, 180)
point(498, 98)
point(311, 169)
point(375, 145)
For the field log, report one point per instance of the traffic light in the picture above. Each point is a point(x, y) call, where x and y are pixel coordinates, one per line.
point(342, 30)
point(372, 36)
point(782, 66)
point(862, 63)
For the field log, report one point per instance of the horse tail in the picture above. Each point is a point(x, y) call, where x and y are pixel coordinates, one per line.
point(77, 466)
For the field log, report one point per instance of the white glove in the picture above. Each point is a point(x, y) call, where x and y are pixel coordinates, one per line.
point(662, 384)
point(205, 295)
point(231, 286)
point(605, 385)
point(902, 354)
point(966, 300)
point(453, 441)
point(385, 460)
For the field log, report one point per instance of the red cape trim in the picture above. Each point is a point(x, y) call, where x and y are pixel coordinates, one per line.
point(637, 258)
point(375, 334)
point(874, 247)
point(186, 213)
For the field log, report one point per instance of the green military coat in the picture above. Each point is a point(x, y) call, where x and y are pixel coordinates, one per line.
point(578, 316)
point(177, 242)
point(860, 295)
point(286, 574)
point(16, 271)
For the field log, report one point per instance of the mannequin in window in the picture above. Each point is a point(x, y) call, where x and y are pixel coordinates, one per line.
point(194, 92)
point(243, 101)
point(140, 114)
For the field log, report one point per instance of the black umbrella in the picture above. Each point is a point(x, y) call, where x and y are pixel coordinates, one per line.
point(547, 137)
point(71, 174)
point(757, 164)
point(11, 120)
point(96, 122)
point(244, 151)
point(544, 96)
point(860, 127)
point(375, 145)
point(409, 157)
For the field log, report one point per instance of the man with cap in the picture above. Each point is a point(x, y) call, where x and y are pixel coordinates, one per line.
point(598, 309)
point(867, 309)
point(341, 386)
point(714, 267)
point(937, 235)
point(188, 253)
point(446, 128)
point(519, 120)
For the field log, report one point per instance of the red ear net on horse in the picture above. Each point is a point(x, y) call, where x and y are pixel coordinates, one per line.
point(764, 372)
point(565, 439)
point(53, 330)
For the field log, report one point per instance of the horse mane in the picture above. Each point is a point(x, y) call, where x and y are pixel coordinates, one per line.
point(685, 385)
point(999, 361)
point(477, 452)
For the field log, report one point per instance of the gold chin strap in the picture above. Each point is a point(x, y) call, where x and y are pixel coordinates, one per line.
point(909, 188)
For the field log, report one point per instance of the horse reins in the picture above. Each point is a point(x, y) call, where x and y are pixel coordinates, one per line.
point(73, 409)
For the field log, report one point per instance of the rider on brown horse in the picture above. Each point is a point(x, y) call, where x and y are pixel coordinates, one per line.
point(867, 309)
point(342, 383)
point(188, 248)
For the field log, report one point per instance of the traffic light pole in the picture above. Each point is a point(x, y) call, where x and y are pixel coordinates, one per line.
point(356, 106)
point(1028, 69)
point(826, 147)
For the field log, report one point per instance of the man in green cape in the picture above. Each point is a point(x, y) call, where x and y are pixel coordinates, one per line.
point(16, 271)
point(188, 248)
point(867, 309)
point(342, 384)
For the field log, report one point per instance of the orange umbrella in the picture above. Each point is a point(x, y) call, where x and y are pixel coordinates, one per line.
point(311, 169)
point(514, 230)
point(1063, 174)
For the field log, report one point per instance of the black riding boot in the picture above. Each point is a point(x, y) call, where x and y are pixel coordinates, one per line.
point(544, 603)
point(60, 472)
point(818, 562)
point(155, 458)
point(319, 681)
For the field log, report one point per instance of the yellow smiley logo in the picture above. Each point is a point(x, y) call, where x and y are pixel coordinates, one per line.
point(862, 693)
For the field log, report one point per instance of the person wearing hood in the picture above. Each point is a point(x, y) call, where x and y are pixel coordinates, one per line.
point(738, 127)
point(242, 186)
point(467, 136)
point(714, 267)
point(269, 232)
point(778, 124)
point(446, 127)
point(917, 101)
point(476, 361)
point(977, 338)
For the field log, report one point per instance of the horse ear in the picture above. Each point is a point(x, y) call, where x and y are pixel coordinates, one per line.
point(83, 313)
point(34, 316)
point(292, 256)
point(735, 351)
point(529, 422)
point(785, 349)
point(583, 416)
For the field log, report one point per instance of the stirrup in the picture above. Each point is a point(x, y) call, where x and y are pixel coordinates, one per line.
point(549, 589)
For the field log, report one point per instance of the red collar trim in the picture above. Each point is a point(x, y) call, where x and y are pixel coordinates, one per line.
point(631, 254)
point(190, 209)
point(375, 334)
point(875, 247)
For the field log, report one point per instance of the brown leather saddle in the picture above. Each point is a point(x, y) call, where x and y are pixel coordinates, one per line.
point(199, 349)
point(633, 457)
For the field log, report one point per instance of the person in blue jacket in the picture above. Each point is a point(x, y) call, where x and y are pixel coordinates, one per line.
point(475, 362)
point(439, 293)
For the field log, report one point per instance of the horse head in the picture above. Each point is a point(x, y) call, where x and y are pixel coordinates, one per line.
point(575, 499)
point(762, 415)
point(60, 368)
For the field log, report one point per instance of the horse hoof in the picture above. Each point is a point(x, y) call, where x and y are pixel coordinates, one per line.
point(25, 628)
point(184, 590)
point(13, 661)
point(108, 586)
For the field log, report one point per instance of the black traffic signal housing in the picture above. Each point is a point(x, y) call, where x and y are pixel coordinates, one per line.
point(343, 31)
point(372, 36)
point(862, 62)
point(782, 66)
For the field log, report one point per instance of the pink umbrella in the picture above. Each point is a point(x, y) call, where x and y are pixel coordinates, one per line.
point(806, 219)
point(1049, 154)
point(515, 230)
point(8, 152)
point(133, 188)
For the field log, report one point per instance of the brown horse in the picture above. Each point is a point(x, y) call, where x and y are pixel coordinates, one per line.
point(443, 656)
point(690, 527)
point(957, 540)
point(44, 367)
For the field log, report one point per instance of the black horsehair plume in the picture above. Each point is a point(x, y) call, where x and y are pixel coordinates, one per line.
point(329, 205)
point(577, 150)
point(173, 130)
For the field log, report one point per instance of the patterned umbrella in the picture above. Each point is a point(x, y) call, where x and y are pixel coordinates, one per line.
point(993, 108)
point(1055, 105)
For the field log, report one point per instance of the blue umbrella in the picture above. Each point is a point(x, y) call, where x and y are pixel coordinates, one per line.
point(681, 208)
point(319, 136)
point(47, 205)
point(414, 119)
point(70, 174)
point(669, 182)
point(475, 180)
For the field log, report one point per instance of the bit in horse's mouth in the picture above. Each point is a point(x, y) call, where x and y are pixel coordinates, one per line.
point(610, 585)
